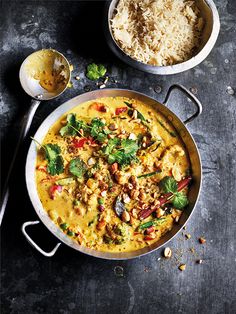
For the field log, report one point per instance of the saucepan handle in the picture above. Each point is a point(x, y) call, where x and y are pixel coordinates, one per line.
point(30, 223)
point(190, 95)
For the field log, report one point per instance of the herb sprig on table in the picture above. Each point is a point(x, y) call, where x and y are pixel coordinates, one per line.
point(95, 71)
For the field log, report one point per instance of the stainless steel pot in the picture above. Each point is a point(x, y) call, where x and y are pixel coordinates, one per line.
point(209, 37)
point(179, 126)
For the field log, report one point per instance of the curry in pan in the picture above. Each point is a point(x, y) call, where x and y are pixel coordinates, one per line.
point(113, 174)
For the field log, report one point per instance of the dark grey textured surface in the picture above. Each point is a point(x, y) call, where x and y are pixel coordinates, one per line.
point(71, 282)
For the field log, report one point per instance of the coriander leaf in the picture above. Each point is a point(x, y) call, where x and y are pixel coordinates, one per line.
point(55, 161)
point(101, 137)
point(55, 166)
point(129, 146)
point(180, 200)
point(112, 143)
point(71, 118)
point(168, 185)
point(69, 128)
point(94, 71)
point(101, 70)
point(77, 167)
point(51, 151)
point(97, 130)
point(118, 156)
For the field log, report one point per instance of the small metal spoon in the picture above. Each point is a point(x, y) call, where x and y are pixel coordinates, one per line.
point(47, 60)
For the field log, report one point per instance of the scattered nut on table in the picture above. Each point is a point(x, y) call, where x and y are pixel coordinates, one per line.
point(167, 252)
point(200, 261)
point(182, 267)
point(202, 240)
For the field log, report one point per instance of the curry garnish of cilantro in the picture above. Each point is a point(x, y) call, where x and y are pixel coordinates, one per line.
point(98, 130)
point(77, 167)
point(55, 161)
point(73, 126)
point(169, 185)
point(53, 156)
point(121, 151)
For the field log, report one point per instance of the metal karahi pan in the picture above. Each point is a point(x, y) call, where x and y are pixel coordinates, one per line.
point(180, 128)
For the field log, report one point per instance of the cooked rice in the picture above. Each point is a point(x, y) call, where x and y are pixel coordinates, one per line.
point(158, 32)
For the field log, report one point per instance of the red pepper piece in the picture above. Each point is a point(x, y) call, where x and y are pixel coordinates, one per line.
point(99, 107)
point(54, 189)
point(163, 199)
point(80, 143)
point(120, 110)
point(150, 230)
point(149, 237)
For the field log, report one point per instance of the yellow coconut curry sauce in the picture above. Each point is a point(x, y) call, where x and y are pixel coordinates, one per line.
point(113, 174)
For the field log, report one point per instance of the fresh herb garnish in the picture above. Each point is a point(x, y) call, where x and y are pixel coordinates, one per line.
point(180, 200)
point(94, 71)
point(73, 126)
point(121, 151)
point(169, 185)
point(55, 161)
point(77, 167)
point(97, 130)
point(52, 154)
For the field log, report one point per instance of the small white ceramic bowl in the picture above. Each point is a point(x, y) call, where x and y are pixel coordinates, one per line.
point(209, 37)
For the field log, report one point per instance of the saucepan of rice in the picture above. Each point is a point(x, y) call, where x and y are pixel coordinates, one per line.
point(162, 36)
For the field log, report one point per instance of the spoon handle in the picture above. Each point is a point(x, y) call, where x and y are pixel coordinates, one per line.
point(25, 126)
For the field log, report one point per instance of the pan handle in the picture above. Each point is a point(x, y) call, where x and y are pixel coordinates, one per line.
point(190, 95)
point(29, 223)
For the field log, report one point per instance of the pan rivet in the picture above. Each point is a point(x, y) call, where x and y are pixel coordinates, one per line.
point(193, 90)
point(119, 271)
point(87, 88)
point(157, 89)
